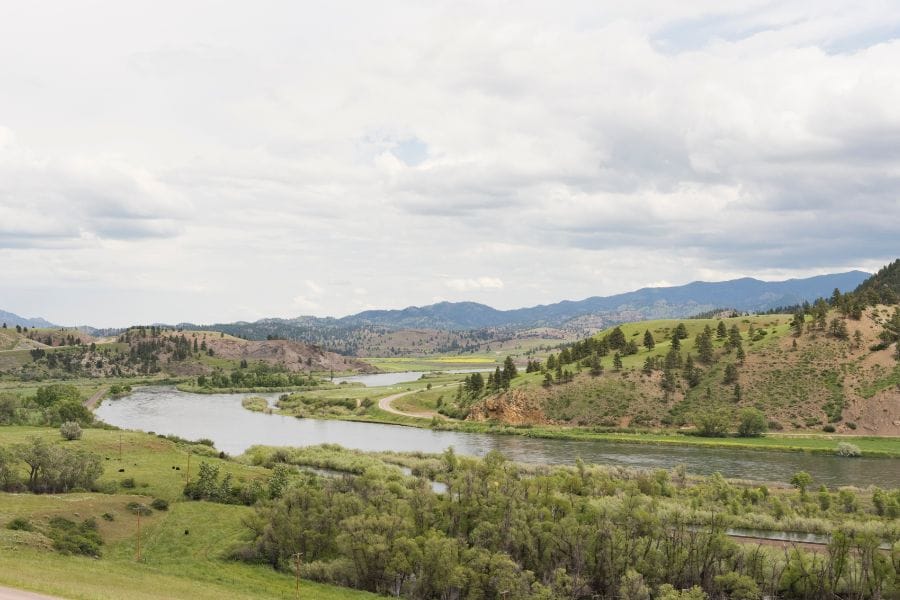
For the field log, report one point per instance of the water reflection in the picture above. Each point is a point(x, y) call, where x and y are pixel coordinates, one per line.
point(221, 418)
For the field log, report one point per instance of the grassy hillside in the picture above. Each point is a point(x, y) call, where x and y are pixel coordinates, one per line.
point(41, 354)
point(801, 383)
point(183, 549)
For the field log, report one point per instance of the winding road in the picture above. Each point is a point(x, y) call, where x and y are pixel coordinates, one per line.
point(385, 405)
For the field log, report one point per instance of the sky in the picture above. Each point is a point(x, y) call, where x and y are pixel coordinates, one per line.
point(212, 161)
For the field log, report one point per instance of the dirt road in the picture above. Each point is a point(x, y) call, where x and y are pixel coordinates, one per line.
point(385, 405)
point(91, 404)
point(13, 594)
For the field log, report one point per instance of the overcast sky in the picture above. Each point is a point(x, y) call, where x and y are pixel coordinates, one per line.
point(213, 161)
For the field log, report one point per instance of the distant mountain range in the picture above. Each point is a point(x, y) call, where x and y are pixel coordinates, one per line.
point(746, 294)
point(12, 320)
point(352, 333)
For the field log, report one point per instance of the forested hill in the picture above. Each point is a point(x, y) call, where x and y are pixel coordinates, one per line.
point(883, 286)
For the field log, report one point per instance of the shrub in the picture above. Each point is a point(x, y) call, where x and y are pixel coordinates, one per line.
point(752, 424)
point(160, 504)
point(70, 430)
point(108, 516)
point(712, 424)
point(72, 538)
point(847, 449)
point(128, 483)
point(55, 469)
point(49, 395)
point(828, 429)
point(136, 508)
point(20, 524)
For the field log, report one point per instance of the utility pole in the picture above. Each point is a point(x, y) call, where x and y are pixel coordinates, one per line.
point(188, 477)
point(296, 558)
point(138, 555)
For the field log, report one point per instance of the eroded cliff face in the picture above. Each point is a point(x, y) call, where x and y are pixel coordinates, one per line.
point(514, 407)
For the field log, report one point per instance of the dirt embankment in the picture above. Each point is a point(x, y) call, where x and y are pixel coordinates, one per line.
point(514, 407)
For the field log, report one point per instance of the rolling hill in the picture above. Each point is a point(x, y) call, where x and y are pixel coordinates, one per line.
point(841, 376)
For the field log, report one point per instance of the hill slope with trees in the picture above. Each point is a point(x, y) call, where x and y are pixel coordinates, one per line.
point(831, 366)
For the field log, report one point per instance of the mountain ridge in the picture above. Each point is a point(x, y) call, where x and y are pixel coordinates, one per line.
point(743, 294)
point(12, 319)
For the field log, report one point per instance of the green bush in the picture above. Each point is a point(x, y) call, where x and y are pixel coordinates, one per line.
point(70, 430)
point(136, 508)
point(71, 538)
point(20, 524)
point(712, 424)
point(752, 423)
point(160, 504)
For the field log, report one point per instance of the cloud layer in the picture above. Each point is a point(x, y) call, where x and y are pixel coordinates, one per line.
point(213, 161)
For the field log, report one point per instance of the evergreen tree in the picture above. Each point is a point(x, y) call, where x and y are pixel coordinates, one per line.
point(596, 367)
point(676, 341)
point(721, 332)
point(705, 347)
point(734, 338)
point(551, 362)
point(681, 331)
point(616, 339)
point(649, 344)
point(797, 323)
point(617, 361)
point(731, 373)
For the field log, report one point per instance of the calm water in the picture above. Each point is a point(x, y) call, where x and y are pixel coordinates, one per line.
point(221, 418)
point(383, 379)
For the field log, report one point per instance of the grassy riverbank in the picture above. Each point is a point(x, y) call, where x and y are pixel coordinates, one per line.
point(426, 391)
point(883, 447)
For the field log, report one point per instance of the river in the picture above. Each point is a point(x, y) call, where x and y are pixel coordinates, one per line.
point(221, 418)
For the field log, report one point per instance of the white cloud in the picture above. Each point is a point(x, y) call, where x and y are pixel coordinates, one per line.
point(479, 283)
point(183, 165)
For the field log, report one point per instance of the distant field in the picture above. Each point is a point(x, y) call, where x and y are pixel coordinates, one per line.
point(438, 363)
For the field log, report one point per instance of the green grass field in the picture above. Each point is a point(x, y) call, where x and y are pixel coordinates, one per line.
point(174, 564)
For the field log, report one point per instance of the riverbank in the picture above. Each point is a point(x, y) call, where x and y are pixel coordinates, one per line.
point(193, 388)
point(871, 446)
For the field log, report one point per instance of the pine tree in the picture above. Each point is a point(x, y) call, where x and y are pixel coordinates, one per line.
point(596, 367)
point(616, 339)
point(721, 332)
point(676, 341)
point(731, 373)
point(649, 344)
point(681, 331)
point(509, 369)
point(797, 323)
point(617, 361)
point(705, 348)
